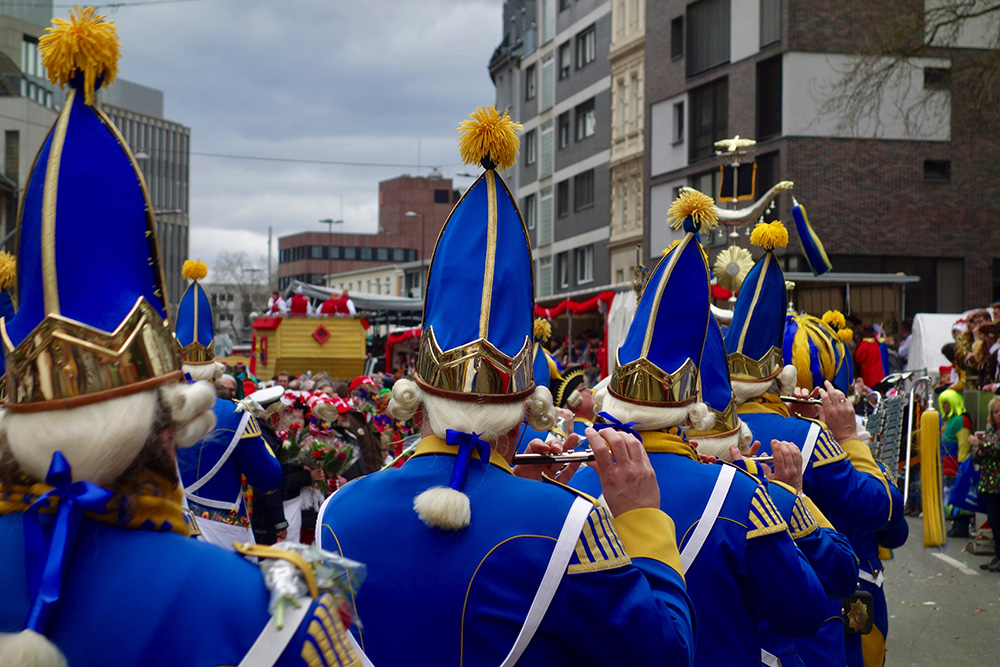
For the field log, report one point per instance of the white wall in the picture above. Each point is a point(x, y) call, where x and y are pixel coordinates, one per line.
point(979, 33)
point(809, 80)
point(664, 154)
point(660, 232)
point(744, 29)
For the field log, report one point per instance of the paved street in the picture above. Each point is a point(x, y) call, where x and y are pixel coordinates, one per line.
point(941, 611)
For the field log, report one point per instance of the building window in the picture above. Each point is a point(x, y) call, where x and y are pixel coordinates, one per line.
point(562, 199)
point(564, 130)
point(442, 195)
point(399, 254)
point(583, 190)
point(677, 38)
point(769, 98)
point(770, 22)
point(620, 107)
point(937, 170)
point(709, 118)
point(31, 60)
point(366, 254)
point(382, 254)
point(530, 211)
point(586, 47)
point(562, 264)
point(707, 35)
point(584, 260)
point(350, 252)
point(316, 252)
point(936, 78)
point(334, 252)
point(530, 147)
point(678, 122)
point(530, 82)
point(636, 101)
point(564, 60)
point(563, 5)
point(586, 120)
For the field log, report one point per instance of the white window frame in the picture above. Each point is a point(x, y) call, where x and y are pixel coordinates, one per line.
point(562, 260)
point(586, 47)
point(530, 210)
point(583, 257)
point(531, 147)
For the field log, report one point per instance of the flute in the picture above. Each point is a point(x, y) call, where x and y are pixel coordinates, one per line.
point(566, 457)
point(807, 401)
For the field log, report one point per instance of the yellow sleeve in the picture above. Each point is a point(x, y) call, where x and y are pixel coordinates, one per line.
point(649, 533)
point(963, 444)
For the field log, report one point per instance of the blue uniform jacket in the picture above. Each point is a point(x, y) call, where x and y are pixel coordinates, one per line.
point(140, 597)
point(843, 488)
point(748, 567)
point(835, 565)
point(437, 597)
point(251, 457)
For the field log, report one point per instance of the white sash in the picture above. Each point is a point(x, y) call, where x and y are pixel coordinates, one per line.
point(769, 659)
point(708, 517)
point(807, 449)
point(224, 534)
point(218, 504)
point(271, 642)
point(871, 578)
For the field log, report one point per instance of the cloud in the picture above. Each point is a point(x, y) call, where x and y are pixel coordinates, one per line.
point(375, 82)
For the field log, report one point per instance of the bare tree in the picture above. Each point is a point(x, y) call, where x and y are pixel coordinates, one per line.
point(889, 54)
point(245, 280)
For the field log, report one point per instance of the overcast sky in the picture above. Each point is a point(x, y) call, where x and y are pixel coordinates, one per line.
point(364, 81)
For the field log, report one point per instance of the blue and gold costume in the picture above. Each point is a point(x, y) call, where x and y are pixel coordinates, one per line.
point(746, 566)
point(472, 576)
point(477, 585)
point(109, 576)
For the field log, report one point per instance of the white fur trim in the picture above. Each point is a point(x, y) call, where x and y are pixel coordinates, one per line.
point(443, 507)
point(29, 649)
point(209, 372)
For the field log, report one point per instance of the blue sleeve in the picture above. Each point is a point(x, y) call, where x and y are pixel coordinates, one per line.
point(894, 535)
point(652, 622)
point(782, 587)
point(258, 464)
point(833, 560)
point(848, 497)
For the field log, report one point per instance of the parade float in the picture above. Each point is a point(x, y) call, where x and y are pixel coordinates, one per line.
point(335, 345)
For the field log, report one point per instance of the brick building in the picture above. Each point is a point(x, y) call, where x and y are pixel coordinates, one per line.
point(910, 194)
point(310, 256)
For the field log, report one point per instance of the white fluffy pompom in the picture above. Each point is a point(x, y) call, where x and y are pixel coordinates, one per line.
point(29, 649)
point(443, 507)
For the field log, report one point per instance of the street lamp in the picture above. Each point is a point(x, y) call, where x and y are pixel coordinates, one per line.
point(329, 255)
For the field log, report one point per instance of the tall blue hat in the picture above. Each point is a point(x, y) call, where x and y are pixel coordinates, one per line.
point(754, 337)
point(716, 391)
point(476, 343)
point(8, 277)
point(195, 332)
point(812, 247)
point(92, 319)
point(658, 360)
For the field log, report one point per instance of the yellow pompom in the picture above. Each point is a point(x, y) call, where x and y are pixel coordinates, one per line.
point(699, 207)
point(487, 137)
point(8, 270)
point(769, 236)
point(84, 44)
point(835, 319)
point(541, 329)
point(846, 335)
point(673, 244)
point(194, 269)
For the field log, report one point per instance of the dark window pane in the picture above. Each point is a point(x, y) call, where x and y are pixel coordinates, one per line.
point(937, 170)
point(366, 253)
point(677, 37)
point(382, 254)
point(709, 118)
point(399, 254)
point(583, 189)
point(562, 197)
point(769, 98)
point(442, 196)
point(707, 35)
point(350, 252)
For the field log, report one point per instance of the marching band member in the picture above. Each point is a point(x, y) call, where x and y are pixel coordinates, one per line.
point(212, 470)
point(739, 560)
point(497, 565)
point(96, 564)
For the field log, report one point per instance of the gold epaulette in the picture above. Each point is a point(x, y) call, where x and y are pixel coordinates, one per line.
point(329, 646)
point(827, 449)
point(252, 430)
point(801, 522)
point(598, 547)
point(764, 517)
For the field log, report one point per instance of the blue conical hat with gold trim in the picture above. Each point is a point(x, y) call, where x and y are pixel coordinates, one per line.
point(755, 335)
point(477, 328)
point(92, 318)
point(716, 390)
point(658, 360)
point(195, 329)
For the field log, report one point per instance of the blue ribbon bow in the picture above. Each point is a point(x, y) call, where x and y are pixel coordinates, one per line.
point(617, 425)
point(466, 443)
point(47, 554)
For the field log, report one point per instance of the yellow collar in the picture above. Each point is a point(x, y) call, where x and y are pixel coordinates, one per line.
point(765, 404)
point(431, 444)
point(668, 441)
point(154, 504)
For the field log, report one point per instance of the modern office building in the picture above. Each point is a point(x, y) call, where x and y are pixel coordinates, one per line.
point(412, 210)
point(552, 70)
point(888, 192)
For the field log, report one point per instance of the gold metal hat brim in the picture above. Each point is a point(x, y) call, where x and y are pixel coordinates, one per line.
point(644, 383)
point(63, 363)
point(477, 371)
point(197, 354)
point(746, 369)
